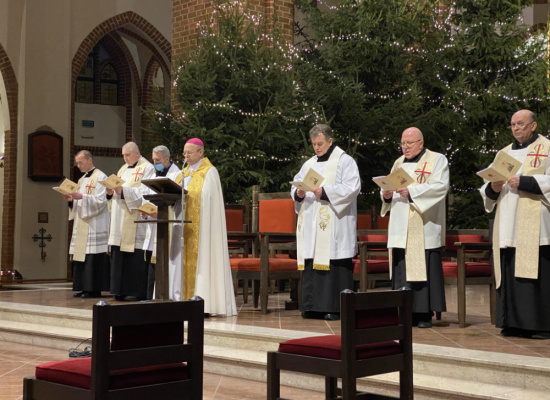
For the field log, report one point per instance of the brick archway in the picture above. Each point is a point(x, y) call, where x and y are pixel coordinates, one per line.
point(10, 162)
point(108, 27)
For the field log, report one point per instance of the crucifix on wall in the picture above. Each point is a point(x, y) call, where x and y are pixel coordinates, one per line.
point(42, 244)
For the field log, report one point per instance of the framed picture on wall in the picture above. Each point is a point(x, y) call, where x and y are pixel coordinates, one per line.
point(45, 156)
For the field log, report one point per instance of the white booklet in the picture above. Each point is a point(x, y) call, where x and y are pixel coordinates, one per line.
point(503, 168)
point(396, 180)
point(67, 187)
point(311, 181)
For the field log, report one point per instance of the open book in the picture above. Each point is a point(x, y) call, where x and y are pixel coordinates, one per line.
point(396, 180)
point(504, 167)
point(311, 181)
point(112, 182)
point(67, 187)
point(148, 208)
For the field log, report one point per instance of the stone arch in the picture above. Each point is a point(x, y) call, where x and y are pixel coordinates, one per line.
point(10, 162)
point(108, 28)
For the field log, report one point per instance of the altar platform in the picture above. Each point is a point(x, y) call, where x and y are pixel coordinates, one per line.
point(475, 362)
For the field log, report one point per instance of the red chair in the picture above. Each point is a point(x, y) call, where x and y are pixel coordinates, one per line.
point(376, 338)
point(373, 263)
point(467, 260)
point(274, 227)
point(149, 356)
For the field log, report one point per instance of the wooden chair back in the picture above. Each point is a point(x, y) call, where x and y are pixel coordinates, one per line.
point(376, 338)
point(148, 339)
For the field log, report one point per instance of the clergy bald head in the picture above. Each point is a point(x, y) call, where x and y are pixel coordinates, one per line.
point(84, 161)
point(193, 151)
point(321, 138)
point(523, 125)
point(412, 142)
point(130, 153)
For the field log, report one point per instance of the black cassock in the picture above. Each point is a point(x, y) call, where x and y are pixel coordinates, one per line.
point(524, 303)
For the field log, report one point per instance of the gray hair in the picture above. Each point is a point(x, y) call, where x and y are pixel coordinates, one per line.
point(163, 150)
point(321, 128)
point(85, 153)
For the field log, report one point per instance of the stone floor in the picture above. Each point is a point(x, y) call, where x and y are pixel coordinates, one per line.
point(17, 360)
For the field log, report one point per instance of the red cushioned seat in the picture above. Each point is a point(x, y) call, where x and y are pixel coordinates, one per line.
point(450, 241)
point(373, 266)
point(450, 269)
point(330, 346)
point(374, 238)
point(275, 264)
point(77, 372)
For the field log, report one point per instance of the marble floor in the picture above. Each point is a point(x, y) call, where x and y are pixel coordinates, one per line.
point(17, 360)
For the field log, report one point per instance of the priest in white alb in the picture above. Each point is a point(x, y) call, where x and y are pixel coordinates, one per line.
point(326, 231)
point(90, 213)
point(206, 267)
point(129, 270)
point(164, 168)
point(521, 234)
point(416, 231)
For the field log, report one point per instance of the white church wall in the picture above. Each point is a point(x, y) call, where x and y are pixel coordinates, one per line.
point(109, 125)
point(44, 100)
point(4, 125)
point(41, 39)
point(86, 15)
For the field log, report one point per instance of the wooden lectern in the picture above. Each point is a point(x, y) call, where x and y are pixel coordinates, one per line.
point(167, 194)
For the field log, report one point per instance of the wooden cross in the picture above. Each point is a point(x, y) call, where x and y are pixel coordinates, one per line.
point(135, 174)
point(89, 186)
point(423, 172)
point(537, 155)
point(42, 244)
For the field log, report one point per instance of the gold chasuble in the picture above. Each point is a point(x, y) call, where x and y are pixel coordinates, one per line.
point(528, 217)
point(129, 227)
point(82, 225)
point(191, 230)
point(415, 256)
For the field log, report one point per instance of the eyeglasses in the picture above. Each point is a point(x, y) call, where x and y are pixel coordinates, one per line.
point(409, 144)
point(520, 125)
point(188, 153)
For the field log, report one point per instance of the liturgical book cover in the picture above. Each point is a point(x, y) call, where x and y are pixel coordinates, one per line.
point(311, 181)
point(67, 187)
point(148, 208)
point(112, 182)
point(396, 180)
point(503, 168)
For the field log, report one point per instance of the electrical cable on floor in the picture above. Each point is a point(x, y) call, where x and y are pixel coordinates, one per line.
point(76, 353)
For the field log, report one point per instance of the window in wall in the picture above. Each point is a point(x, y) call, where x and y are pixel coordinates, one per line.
point(158, 86)
point(85, 82)
point(98, 80)
point(109, 85)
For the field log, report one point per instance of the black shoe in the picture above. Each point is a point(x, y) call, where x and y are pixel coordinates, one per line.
point(90, 295)
point(119, 297)
point(509, 331)
point(206, 315)
point(332, 317)
point(425, 324)
point(79, 294)
point(313, 315)
point(541, 335)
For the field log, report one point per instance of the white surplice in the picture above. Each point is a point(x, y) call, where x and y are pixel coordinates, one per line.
point(509, 205)
point(428, 199)
point(343, 201)
point(213, 281)
point(94, 209)
point(133, 199)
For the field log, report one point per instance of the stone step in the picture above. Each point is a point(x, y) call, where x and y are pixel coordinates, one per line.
point(240, 351)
